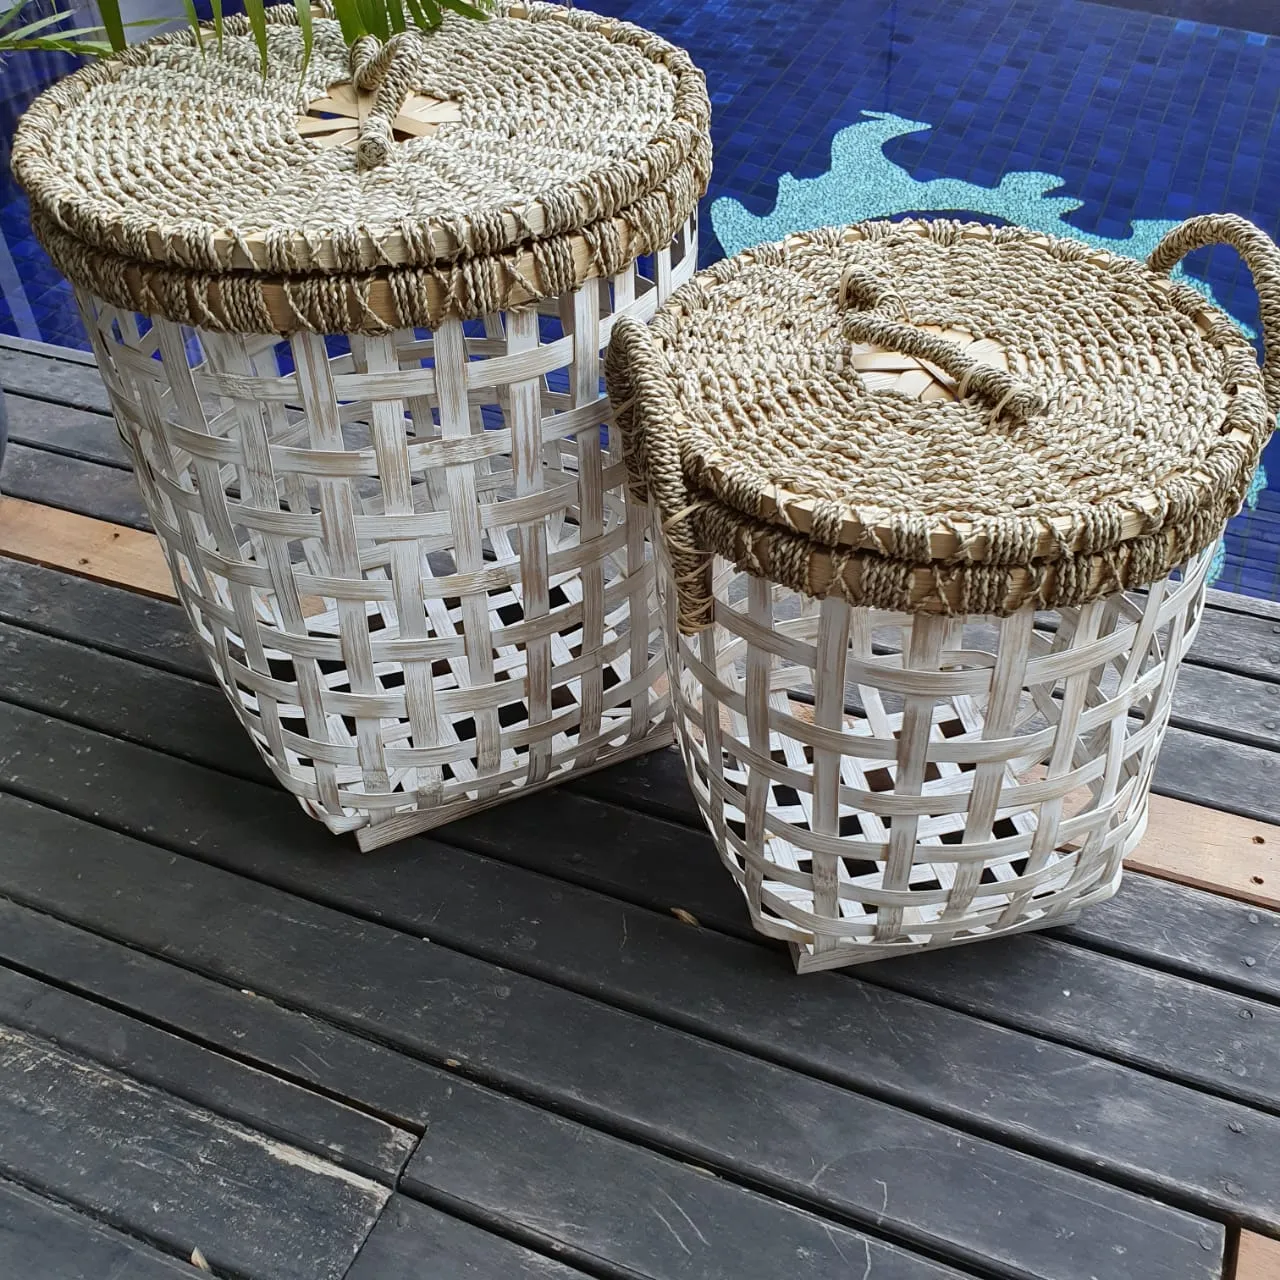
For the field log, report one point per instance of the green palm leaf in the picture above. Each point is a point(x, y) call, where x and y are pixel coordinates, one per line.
point(381, 18)
point(256, 12)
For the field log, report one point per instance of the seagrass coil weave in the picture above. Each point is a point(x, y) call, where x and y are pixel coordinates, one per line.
point(493, 163)
point(948, 417)
point(935, 506)
point(351, 319)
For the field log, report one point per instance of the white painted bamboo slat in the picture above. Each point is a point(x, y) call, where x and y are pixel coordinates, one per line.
point(410, 559)
point(881, 783)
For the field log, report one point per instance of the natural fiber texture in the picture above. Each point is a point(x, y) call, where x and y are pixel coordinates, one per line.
point(176, 182)
point(881, 783)
point(409, 559)
point(936, 417)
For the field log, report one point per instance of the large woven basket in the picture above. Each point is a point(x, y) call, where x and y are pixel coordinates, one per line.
point(351, 321)
point(935, 505)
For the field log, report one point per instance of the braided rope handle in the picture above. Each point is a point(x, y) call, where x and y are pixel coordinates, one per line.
point(645, 413)
point(391, 70)
point(873, 322)
point(1260, 255)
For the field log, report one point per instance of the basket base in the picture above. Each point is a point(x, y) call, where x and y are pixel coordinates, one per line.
point(807, 961)
point(402, 826)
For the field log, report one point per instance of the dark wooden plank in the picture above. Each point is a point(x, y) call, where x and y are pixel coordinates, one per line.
point(1201, 935)
point(1206, 1014)
point(253, 1028)
point(1213, 1039)
point(421, 1237)
point(415, 1242)
point(1227, 706)
point(107, 618)
point(635, 1210)
point(805, 1138)
point(62, 429)
point(41, 1240)
point(175, 1173)
point(1222, 775)
point(120, 697)
point(132, 796)
point(1194, 1033)
point(653, 784)
point(55, 480)
point(260, 1101)
point(1249, 646)
point(1235, 602)
point(66, 382)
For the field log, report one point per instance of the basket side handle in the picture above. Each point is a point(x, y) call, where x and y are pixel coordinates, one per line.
point(870, 317)
point(646, 415)
point(1260, 255)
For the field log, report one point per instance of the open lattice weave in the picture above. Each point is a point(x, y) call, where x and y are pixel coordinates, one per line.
point(880, 783)
point(178, 181)
point(409, 559)
point(944, 417)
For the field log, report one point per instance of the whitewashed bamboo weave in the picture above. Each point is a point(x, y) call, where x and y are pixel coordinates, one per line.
point(935, 505)
point(411, 565)
point(880, 783)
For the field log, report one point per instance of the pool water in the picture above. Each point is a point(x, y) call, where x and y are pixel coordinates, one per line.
point(1107, 121)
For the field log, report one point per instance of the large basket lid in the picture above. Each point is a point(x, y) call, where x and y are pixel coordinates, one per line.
point(485, 162)
point(937, 416)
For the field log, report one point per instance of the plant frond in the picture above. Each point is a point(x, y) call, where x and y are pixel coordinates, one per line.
point(257, 14)
point(112, 23)
point(381, 18)
point(308, 32)
point(466, 10)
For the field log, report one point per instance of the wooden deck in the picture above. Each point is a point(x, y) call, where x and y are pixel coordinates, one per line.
point(497, 1053)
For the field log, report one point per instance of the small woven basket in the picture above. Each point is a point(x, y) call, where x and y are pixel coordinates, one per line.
point(350, 319)
point(935, 506)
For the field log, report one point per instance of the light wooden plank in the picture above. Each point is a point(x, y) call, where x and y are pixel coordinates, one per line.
point(1258, 1258)
point(85, 547)
point(96, 549)
point(1207, 849)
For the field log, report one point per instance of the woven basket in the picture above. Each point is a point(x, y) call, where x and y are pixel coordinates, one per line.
point(935, 507)
point(351, 321)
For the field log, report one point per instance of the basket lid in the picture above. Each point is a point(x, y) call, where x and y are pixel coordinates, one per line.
point(516, 156)
point(938, 416)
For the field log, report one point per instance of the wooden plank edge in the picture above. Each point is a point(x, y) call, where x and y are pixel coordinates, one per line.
point(1188, 843)
point(88, 548)
point(55, 351)
point(1257, 1258)
point(1238, 602)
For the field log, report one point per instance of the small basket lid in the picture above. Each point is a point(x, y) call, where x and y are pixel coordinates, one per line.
point(934, 416)
point(475, 166)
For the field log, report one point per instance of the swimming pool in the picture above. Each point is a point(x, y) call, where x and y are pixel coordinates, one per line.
point(1102, 120)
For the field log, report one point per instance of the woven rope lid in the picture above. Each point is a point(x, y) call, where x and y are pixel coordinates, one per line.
point(485, 163)
point(934, 416)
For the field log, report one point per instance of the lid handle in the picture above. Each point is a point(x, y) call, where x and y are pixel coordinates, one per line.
point(391, 69)
point(873, 322)
point(1263, 260)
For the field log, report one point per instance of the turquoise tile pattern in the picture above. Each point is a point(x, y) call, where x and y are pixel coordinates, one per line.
point(1107, 121)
